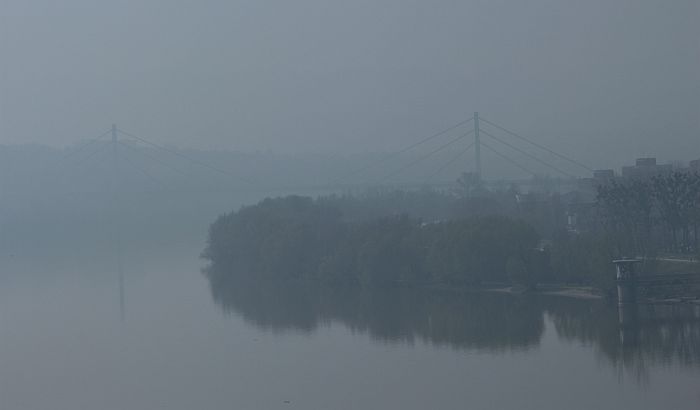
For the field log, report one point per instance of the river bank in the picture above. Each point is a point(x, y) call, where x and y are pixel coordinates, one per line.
point(577, 292)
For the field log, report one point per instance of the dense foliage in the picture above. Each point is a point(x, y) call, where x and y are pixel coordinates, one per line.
point(660, 214)
point(583, 258)
point(301, 238)
point(633, 217)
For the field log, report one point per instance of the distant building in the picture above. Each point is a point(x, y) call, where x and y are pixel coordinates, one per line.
point(590, 185)
point(580, 209)
point(603, 174)
point(645, 162)
point(646, 168)
point(581, 216)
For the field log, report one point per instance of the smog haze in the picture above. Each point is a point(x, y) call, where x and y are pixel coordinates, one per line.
point(604, 81)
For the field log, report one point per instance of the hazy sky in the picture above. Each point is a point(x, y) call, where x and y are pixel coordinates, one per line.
point(602, 80)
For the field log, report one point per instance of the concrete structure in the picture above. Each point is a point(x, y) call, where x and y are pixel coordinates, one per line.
point(477, 147)
point(626, 300)
point(626, 281)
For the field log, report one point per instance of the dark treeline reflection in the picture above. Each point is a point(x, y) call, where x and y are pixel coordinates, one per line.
point(397, 315)
point(489, 321)
point(633, 336)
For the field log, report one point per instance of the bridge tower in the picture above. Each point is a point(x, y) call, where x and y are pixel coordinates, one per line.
point(477, 146)
point(116, 216)
point(115, 162)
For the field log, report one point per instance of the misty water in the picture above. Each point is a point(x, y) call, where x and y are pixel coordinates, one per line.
point(128, 127)
point(91, 319)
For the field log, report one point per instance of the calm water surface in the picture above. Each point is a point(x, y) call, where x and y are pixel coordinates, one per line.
point(83, 328)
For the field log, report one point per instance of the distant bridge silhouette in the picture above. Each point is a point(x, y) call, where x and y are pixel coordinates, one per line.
point(519, 151)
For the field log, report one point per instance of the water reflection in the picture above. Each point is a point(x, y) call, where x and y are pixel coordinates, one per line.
point(632, 339)
point(633, 336)
point(477, 320)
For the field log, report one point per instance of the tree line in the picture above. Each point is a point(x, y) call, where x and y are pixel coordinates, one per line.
point(427, 237)
point(302, 238)
point(644, 217)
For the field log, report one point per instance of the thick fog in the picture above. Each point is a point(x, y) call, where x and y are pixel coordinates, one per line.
point(278, 204)
point(603, 81)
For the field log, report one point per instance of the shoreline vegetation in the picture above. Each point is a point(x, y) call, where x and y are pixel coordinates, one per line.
point(473, 238)
point(351, 241)
point(576, 292)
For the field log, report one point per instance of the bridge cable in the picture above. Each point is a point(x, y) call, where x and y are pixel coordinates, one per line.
point(83, 146)
point(514, 134)
point(512, 161)
point(528, 154)
point(88, 167)
point(60, 162)
point(186, 157)
point(92, 154)
point(450, 162)
point(156, 159)
point(429, 154)
point(399, 152)
point(143, 171)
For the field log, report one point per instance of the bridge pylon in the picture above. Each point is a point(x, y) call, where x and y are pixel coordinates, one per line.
point(477, 146)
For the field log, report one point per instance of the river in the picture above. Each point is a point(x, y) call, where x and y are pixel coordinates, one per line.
point(89, 325)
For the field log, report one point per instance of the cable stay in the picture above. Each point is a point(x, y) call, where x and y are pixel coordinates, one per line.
point(450, 162)
point(186, 157)
point(512, 161)
point(156, 159)
point(399, 152)
point(98, 150)
point(143, 171)
point(60, 162)
point(516, 135)
point(528, 154)
point(82, 161)
point(423, 157)
point(83, 146)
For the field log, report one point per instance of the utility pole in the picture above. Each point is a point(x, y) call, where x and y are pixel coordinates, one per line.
point(477, 146)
